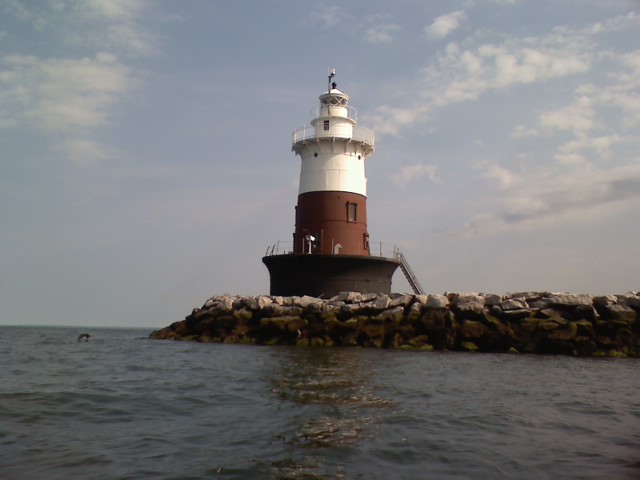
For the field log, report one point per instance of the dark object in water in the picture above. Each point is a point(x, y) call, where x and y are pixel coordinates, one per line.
point(84, 336)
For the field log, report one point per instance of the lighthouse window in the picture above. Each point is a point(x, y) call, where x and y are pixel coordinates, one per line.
point(326, 125)
point(352, 212)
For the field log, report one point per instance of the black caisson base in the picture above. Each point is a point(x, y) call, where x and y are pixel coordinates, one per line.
point(324, 276)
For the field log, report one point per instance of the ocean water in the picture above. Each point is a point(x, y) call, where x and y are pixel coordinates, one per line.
point(121, 406)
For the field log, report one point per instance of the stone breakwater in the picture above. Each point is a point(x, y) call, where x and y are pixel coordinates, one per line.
point(527, 322)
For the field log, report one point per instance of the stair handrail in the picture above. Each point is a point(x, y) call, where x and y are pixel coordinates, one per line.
point(408, 273)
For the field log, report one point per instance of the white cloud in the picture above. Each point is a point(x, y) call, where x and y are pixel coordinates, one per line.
point(501, 176)
point(615, 24)
point(460, 74)
point(573, 152)
point(390, 120)
point(112, 9)
point(83, 151)
point(382, 34)
point(622, 92)
point(514, 63)
point(589, 116)
point(328, 17)
point(91, 24)
point(445, 24)
point(520, 131)
point(61, 94)
point(411, 173)
point(547, 197)
point(579, 117)
point(79, 88)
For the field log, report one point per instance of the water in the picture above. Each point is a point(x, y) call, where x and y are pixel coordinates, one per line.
point(124, 407)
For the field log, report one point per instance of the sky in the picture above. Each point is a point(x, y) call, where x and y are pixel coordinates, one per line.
point(145, 146)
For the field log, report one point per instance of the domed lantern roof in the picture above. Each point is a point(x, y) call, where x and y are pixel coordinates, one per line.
point(334, 98)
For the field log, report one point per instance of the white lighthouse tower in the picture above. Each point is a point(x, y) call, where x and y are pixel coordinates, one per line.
point(331, 243)
point(331, 215)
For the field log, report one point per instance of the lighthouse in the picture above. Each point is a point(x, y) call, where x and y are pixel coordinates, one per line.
point(331, 251)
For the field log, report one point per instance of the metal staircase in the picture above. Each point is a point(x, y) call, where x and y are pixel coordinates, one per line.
point(408, 273)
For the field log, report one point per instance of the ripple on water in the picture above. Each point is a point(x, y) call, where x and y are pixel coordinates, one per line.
point(121, 407)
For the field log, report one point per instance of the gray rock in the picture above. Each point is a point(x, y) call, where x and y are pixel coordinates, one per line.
point(514, 304)
point(539, 304)
point(288, 301)
point(306, 301)
point(263, 301)
point(570, 299)
point(630, 299)
point(422, 299)
point(370, 297)
point(350, 297)
point(528, 296)
point(437, 301)
point(415, 309)
point(605, 300)
point(401, 301)
point(225, 302)
point(469, 302)
point(209, 303)
point(278, 300)
point(382, 302)
point(491, 300)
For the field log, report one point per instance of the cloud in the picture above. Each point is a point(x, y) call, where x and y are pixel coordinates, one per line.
point(61, 94)
point(459, 74)
point(501, 176)
point(327, 17)
point(579, 117)
point(83, 151)
point(445, 24)
point(600, 117)
point(622, 91)
point(411, 173)
point(91, 24)
point(572, 152)
point(72, 92)
point(112, 9)
point(390, 120)
point(551, 197)
point(118, 25)
point(520, 131)
point(382, 34)
point(531, 60)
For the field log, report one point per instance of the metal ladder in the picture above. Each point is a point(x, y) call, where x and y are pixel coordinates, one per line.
point(408, 273)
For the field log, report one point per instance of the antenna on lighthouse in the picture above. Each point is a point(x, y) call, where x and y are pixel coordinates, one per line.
point(332, 73)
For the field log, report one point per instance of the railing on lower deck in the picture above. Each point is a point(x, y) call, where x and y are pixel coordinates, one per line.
point(308, 133)
point(279, 248)
point(377, 249)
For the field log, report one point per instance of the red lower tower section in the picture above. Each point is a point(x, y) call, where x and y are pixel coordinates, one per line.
point(337, 222)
